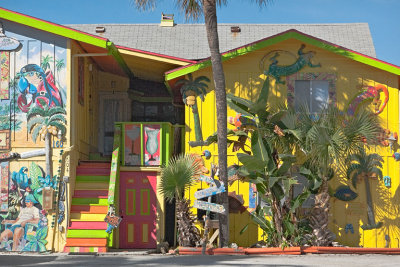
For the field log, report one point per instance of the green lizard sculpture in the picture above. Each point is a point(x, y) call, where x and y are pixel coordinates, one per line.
point(277, 71)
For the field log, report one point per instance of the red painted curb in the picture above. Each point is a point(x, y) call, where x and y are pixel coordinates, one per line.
point(287, 251)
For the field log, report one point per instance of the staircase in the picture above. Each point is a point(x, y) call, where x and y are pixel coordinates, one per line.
point(86, 230)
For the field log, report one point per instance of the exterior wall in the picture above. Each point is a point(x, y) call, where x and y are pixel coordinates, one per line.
point(40, 64)
point(244, 77)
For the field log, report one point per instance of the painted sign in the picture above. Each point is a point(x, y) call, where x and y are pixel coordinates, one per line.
point(152, 145)
point(207, 179)
point(132, 150)
point(213, 207)
point(211, 191)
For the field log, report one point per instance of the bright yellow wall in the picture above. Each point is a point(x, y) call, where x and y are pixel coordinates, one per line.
point(244, 78)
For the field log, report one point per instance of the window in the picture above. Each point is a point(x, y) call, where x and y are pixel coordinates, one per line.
point(313, 94)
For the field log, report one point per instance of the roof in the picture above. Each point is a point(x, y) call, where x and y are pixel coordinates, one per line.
point(189, 41)
point(290, 34)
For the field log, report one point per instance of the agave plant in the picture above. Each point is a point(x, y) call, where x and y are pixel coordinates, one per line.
point(364, 166)
point(46, 122)
point(176, 177)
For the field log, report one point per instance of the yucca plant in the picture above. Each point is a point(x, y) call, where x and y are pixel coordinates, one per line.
point(45, 122)
point(176, 177)
point(364, 166)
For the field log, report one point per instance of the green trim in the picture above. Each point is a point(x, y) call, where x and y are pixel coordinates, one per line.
point(141, 144)
point(53, 28)
point(92, 179)
point(285, 36)
point(112, 50)
point(127, 203)
point(90, 201)
point(148, 202)
point(78, 233)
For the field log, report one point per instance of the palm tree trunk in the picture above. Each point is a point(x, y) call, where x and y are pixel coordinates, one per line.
point(188, 234)
point(210, 17)
point(49, 162)
point(319, 218)
point(370, 211)
point(197, 126)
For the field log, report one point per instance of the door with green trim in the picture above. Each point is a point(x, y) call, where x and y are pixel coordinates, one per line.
point(138, 207)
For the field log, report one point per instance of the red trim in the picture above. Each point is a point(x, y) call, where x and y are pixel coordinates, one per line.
point(282, 33)
point(52, 23)
point(155, 54)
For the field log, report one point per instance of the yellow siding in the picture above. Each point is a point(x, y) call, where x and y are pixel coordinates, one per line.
point(244, 78)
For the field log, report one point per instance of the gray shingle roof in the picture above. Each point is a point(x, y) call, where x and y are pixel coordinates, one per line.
point(189, 41)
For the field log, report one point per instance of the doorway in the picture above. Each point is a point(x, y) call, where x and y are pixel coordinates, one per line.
point(138, 208)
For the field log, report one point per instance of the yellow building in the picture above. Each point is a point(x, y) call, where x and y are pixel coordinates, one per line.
point(301, 69)
point(106, 106)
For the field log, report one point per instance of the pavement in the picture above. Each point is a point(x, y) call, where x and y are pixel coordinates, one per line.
point(141, 258)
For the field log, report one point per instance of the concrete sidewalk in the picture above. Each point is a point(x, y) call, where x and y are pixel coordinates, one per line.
point(132, 258)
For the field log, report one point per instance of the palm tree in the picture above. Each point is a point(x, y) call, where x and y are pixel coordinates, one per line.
point(190, 89)
point(46, 62)
point(176, 177)
point(327, 140)
point(46, 122)
point(60, 64)
point(193, 9)
point(365, 166)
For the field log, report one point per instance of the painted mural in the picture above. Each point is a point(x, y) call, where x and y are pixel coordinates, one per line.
point(152, 145)
point(24, 226)
point(32, 110)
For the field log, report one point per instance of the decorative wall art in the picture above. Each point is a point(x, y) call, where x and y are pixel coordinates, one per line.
point(190, 90)
point(370, 93)
point(4, 180)
point(132, 151)
point(344, 193)
point(277, 71)
point(25, 203)
point(388, 181)
point(4, 75)
point(152, 145)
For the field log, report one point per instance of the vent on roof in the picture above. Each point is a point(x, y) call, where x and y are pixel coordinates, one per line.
point(100, 29)
point(167, 20)
point(235, 29)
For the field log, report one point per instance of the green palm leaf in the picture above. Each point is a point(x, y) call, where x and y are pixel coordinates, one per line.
point(35, 121)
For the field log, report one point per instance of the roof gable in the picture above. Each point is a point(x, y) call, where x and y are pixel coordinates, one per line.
point(290, 34)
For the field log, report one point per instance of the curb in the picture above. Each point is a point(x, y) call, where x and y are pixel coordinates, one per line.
point(286, 251)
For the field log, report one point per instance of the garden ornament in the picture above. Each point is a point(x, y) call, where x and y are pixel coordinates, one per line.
point(388, 181)
point(277, 71)
point(207, 154)
point(396, 156)
point(349, 227)
point(372, 92)
point(242, 122)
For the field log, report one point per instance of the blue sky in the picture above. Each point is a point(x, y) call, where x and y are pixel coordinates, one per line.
point(382, 15)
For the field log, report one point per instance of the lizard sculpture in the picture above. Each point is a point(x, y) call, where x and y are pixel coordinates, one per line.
point(304, 59)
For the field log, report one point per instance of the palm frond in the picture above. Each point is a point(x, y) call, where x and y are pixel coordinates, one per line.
point(58, 117)
point(178, 175)
point(34, 121)
point(35, 132)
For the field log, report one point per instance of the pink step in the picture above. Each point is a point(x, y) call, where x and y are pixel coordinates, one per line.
point(91, 193)
point(88, 225)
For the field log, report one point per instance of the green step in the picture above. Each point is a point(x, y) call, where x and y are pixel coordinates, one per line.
point(92, 179)
point(77, 233)
point(90, 201)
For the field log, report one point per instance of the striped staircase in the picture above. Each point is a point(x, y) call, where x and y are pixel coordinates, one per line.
point(86, 230)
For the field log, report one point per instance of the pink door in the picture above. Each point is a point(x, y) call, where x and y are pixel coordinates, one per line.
point(138, 207)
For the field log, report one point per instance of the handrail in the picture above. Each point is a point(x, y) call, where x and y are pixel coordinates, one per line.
point(115, 161)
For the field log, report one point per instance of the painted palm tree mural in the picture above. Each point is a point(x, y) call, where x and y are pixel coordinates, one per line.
point(45, 122)
point(365, 166)
point(46, 60)
point(190, 90)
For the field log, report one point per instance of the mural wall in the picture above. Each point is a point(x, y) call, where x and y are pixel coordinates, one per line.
point(32, 111)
